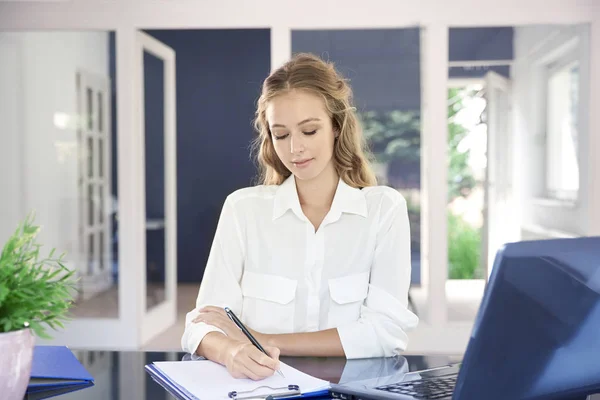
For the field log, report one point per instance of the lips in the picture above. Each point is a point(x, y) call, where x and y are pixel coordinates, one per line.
point(302, 163)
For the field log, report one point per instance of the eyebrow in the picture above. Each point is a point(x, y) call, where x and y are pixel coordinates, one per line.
point(299, 123)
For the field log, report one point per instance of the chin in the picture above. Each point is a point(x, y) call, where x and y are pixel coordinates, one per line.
point(305, 175)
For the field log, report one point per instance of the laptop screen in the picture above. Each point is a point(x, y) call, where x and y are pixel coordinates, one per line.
point(538, 327)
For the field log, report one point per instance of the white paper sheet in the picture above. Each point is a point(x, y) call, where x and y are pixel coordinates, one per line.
point(209, 380)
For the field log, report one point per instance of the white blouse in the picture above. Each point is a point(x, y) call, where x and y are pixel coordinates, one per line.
point(278, 275)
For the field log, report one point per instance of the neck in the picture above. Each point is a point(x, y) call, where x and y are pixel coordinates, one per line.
point(318, 192)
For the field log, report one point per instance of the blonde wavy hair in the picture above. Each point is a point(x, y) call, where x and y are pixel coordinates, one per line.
point(350, 153)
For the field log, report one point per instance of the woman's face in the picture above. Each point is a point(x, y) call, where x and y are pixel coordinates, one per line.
point(302, 133)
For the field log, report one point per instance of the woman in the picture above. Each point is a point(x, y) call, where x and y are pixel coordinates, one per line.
point(316, 260)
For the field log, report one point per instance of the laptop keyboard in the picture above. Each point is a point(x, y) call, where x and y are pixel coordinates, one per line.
point(436, 388)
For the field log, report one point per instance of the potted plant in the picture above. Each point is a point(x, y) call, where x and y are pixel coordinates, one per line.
point(35, 294)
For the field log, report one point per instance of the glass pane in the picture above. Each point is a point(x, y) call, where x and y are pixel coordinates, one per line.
point(101, 251)
point(91, 207)
point(91, 255)
point(100, 113)
point(101, 202)
point(100, 157)
point(51, 137)
point(90, 109)
point(383, 66)
point(90, 156)
point(466, 175)
point(155, 182)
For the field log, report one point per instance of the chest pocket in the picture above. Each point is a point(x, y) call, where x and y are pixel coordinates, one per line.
point(269, 302)
point(347, 296)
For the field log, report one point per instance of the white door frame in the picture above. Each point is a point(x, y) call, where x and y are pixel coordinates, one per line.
point(164, 315)
point(498, 184)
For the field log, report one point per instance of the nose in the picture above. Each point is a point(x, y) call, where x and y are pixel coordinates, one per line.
point(297, 144)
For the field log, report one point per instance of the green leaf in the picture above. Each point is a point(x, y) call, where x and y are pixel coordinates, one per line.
point(33, 289)
point(3, 292)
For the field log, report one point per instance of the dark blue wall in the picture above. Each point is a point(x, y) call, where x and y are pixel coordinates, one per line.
point(154, 159)
point(468, 44)
point(382, 64)
point(219, 74)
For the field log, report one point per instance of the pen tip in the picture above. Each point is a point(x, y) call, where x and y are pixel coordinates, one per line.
point(281, 373)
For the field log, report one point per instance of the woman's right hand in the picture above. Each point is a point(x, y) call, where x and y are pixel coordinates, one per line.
point(244, 360)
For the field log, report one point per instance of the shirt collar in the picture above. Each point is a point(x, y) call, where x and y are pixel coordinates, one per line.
point(346, 200)
point(286, 198)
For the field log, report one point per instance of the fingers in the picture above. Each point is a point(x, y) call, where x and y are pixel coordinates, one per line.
point(241, 371)
point(211, 318)
point(274, 352)
point(213, 309)
point(251, 371)
point(263, 360)
point(248, 361)
point(211, 313)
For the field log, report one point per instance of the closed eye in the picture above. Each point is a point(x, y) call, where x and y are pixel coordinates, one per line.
point(279, 137)
point(310, 133)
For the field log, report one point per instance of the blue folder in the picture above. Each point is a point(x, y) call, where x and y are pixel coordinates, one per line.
point(54, 371)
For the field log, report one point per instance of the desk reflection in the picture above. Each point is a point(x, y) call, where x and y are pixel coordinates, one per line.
point(120, 375)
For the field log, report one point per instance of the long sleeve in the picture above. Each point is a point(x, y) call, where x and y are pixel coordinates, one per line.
point(381, 330)
point(220, 285)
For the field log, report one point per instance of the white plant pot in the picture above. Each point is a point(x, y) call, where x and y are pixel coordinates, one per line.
point(15, 364)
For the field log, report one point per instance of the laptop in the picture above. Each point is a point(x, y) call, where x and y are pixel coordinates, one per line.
point(536, 334)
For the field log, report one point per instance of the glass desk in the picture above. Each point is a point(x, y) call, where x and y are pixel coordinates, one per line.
point(120, 375)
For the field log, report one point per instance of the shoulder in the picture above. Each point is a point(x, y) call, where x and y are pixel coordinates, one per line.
point(386, 197)
point(251, 196)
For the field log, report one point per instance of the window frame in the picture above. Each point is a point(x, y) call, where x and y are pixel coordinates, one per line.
point(550, 68)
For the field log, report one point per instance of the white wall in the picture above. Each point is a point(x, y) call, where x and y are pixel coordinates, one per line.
point(532, 44)
point(11, 131)
point(38, 90)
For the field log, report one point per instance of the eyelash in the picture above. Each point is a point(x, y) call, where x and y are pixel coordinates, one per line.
point(286, 135)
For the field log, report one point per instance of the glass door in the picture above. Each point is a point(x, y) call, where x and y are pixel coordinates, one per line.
point(156, 121)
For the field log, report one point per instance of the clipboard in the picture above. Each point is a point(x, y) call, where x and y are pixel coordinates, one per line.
point(176, 386)
point(274, 393)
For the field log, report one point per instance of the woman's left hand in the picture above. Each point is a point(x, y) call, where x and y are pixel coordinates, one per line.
point(217, 316)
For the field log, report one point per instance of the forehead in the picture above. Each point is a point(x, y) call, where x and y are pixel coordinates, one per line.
point(292, 107)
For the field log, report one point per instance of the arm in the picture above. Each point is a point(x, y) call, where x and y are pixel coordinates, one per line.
point(310, 344)
point(384, 318)
point(324, 343)
point(213, 347)
point(220, 283)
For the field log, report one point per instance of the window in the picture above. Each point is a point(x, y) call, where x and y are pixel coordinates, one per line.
point(562, 107)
